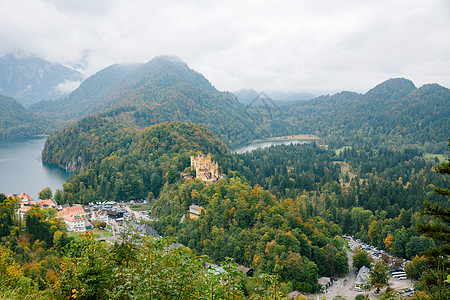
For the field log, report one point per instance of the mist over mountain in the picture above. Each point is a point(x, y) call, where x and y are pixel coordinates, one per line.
point(249, 96)
point(29, 78)
point(166, 89)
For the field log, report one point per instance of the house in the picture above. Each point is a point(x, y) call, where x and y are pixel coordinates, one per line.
point(324, 282)
point(144, 230)
point(205, 169)
point(176, 245)
point(99, 215)
point(115, 215)
point(25, 199)
point(195, 211)
point(76, 210)
point(246, 271)
point(363, 277)
point(295, 295)
point(23, 211)
point(47, 204)
point(74, 217)
point(75, 223)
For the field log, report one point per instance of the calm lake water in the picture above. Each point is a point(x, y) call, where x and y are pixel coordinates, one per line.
point(266, 144)
point(22, 170)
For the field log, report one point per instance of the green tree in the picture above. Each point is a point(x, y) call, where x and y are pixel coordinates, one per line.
point(379, 275)
point(361, 258)
point(416, 245)
point(58, 196)
point(438, 228)
point(398, 247)
point(415, 267)
point(45, 193)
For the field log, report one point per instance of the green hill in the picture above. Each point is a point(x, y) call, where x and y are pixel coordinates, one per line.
point(394, 113)
point(118, 163)
point(16, 122)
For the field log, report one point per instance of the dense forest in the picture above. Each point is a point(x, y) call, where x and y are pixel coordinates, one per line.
point(394, 114)
point(283, 203)
point(258, 230)
point(371, 194)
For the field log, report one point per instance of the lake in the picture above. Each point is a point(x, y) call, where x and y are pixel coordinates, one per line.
point(265, 144)
point(22, 170)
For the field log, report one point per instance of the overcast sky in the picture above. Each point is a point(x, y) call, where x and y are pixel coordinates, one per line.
point(299, 45)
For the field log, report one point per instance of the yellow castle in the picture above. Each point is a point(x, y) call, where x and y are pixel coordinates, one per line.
point(205, 169)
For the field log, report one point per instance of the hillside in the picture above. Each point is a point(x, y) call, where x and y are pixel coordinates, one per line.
point(164, 89)
point(29, 78)
point(16, 122)
point(118, 163)
point(394, 113)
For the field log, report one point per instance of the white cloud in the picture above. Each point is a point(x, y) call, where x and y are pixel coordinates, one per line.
point(67, 86)
point(317, 46)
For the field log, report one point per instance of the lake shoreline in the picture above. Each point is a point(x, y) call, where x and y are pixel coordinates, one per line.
point(268, 143)
point(24, 171)
point(286, 138)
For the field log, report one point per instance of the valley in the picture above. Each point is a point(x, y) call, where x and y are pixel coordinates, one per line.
point(352, 164)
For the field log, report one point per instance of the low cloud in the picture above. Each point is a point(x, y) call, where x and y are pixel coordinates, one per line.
point(66, 87)
point(291, 45)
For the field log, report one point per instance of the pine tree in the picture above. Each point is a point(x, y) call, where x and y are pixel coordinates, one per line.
point(438, 228)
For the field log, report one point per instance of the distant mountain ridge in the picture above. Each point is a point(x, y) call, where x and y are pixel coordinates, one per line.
point(394, 111)
point(163, 89)
point(29, 78)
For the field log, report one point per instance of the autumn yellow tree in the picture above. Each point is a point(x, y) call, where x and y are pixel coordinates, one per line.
point(389, 241)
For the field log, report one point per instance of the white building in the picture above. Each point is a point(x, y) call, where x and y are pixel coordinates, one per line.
point(99, 215)
point(75, 223)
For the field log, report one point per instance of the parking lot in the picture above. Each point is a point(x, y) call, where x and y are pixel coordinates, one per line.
point(345, 287)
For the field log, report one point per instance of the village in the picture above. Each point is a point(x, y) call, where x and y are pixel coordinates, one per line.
point(117, 218)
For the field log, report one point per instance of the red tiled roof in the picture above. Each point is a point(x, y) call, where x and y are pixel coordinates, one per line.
point(73, 218)
point(46, 203)
point(25, 208)
point(23, 195)
point(74, 210)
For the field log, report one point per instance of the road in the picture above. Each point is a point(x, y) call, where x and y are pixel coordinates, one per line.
point(343, 286)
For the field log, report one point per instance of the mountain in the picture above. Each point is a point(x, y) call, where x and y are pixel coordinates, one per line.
point(164, 89)
point(394, 112)
point(16, 122)
point(29, 78)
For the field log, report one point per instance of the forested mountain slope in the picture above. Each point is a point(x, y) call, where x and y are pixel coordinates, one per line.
point(118, 163)
point(16, 122)
point(87, 99)
point(164, 89)
point(394, 113)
